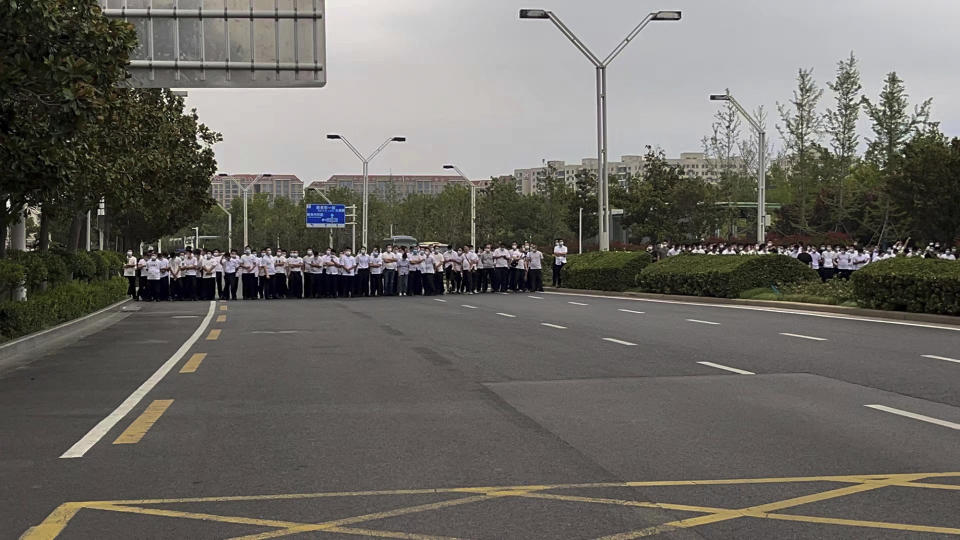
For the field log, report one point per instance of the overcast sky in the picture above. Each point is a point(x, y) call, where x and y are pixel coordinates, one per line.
point(468, 82)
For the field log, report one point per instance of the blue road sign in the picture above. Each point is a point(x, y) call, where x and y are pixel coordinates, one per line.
point(324, 216)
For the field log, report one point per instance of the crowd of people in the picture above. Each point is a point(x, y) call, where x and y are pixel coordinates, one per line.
point(199, 274)
point(828, 261)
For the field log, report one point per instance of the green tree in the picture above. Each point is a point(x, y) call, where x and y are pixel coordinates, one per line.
point(801, 131)
point(841, 126)
point(892, 122)
point(926, 188)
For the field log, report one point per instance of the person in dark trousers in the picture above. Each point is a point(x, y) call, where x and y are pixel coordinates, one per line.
point(559, 260)
point(130, 273)
point(294, 275)
point(231, 267)
point(219, 273)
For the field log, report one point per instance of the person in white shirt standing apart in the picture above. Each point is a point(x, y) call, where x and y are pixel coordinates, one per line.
point(130, 273)
point(534, 269)
point(559, 260)
point(362, 279)
point(376, 273)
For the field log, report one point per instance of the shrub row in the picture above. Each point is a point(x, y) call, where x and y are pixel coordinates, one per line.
point(56, 305)
point(605, 270)
point(723, 276)
point(910, 284)
point(34, 269)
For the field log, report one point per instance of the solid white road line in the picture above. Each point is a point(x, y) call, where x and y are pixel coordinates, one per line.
point(104, 426)
point(915, 416)
point(944, 358)
point(468, 306)
point(621, 342)
point(801, 336)
point(438, 300)
point(703, 322)
point(727, 368)
point(507, 315)
point(557, 326)
point(631, 311)
point(766, 309)
point(578, 303)
point(536, 297)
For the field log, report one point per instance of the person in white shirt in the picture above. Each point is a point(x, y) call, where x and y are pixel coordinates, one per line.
point(248, 273)
point(390, 259)
point(329, 279)
point(534, 269)
point(559, 260)
point(294, 275)
point(362, 279)
point(428, 272)
point(218, 272)
point(151, 267)
point(438, 276)
point(231, 264)
point(189, 268)
point(486, 268)
point(348, 272)
point(164, 277)
point(308, 284)
point(828, 264)
point(130, 273)
point(176, 289)
point(415, 279)
point(844, 263)
point(516, 268)
point(268, 270)
point(471, 261)
point(144, 287)
point(208, 277)
point(280, 263)
point(376, 273)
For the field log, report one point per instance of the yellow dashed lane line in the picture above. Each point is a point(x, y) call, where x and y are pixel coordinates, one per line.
point(139, 427)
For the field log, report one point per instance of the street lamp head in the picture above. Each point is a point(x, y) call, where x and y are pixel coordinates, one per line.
point(666, 15)
point(448, 166)
point(399, 139)
point(333, 136)
point(719, 97)
point(534, 14)
point(223, 174)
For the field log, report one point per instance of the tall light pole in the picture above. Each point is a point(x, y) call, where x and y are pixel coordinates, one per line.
point(366, 174)
point(229, 228)
point(603, 189)
point(761, 161)
point(246, 191)
point(473, 204)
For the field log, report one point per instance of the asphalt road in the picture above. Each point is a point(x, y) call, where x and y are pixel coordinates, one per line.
point(485, 416)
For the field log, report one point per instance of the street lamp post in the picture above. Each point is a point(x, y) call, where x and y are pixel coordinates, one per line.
point(366, 176)
point(324, 195)
point(229, 228)
point(473, 204)
point(761, 162)
point(603, 191)
point(246, 191)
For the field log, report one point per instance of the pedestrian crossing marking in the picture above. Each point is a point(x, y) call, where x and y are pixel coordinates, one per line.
point(60, 518)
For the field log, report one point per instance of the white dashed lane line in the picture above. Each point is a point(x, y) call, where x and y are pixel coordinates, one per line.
point(557, 326)
point(438, 300)
point(727, 368)
point(507, 315)
point(801, 336)
point(468, 306)
point(944, 358)
point(631, 311)
point(703, 322)
point(536, 297)
point(915, 416)
point(620, 341)
point(578, 303)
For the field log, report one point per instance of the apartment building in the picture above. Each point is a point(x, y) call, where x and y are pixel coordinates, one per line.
point(224, 190)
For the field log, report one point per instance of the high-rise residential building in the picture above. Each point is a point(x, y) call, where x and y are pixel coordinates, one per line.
point(224, 190)
point(693, 164)
point(383, 186)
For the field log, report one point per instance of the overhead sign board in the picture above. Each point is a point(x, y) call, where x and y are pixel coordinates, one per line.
point(326, 216)
point(225, 43)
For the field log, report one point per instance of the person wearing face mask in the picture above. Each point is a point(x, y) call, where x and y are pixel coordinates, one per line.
point(428, 271)
point(130, 274)
point(559, 260)
point(152, 269)
point(403, 273)
point(218, 272)
point(231, 264)
point(308, 262)
point(517, 269)
point(415, 281)
point(471, 261)
point(348, 271)
point(501, 268)
point(294, 275)
point(327, 281)
point(267, 272)
point(456, 271)
point(390, 260)
point(448, 267)
point(144, 286)
point(248, 269)
point(176, 290)
point(362, 279)
point(376, 273)
point(164, 277)
point(208, 276)
point(438, 260)
point(486, 268)
point(189, 269)
point(280, 288)
point(534, 269)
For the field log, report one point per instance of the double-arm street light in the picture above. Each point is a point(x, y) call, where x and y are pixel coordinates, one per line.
point(761, 162)
point(246, 191)
point(473, 204)
point(603, 192)
point(366, 176)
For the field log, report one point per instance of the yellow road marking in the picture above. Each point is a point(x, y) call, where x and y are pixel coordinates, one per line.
point(139, 427)
point(385, 534)
point(221, 318)
point(54, 524)
point(195, 515)
point(620, 502)
point(214, 335)
point(223, 308)
point(193, 363)
point(859, 523)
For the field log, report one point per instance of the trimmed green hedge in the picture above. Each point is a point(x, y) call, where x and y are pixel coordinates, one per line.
point(909, 284)
point(605, 270)
point(722, 276)
point(57, 305)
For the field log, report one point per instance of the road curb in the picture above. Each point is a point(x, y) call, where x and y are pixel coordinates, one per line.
point(24, 348)
point(799, 306)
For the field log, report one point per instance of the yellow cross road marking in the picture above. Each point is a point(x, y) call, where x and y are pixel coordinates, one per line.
point(56, 522)
point(214, 335)
point(221, 318)
point(193, 363)
point(223, 308)
point(139, 427)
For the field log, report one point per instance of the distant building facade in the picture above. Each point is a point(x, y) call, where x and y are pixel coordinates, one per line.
point(693, 164)
point(224, 190)
point(384, 186)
